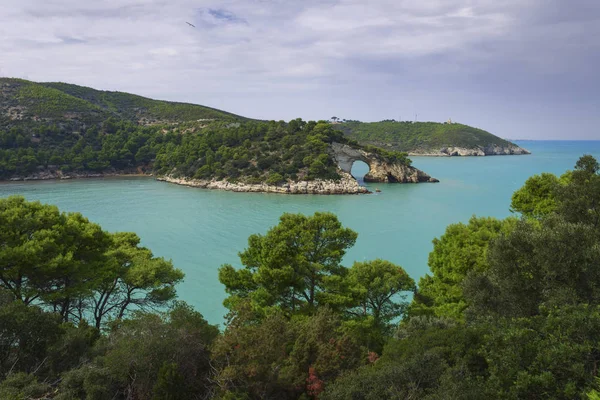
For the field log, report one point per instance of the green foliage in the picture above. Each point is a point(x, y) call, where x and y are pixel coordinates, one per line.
point(375, 287)
point(537, 198)
point(136, 350)
point(274, 179)
point(133, 278)
point(57, 128)
point(57, 100)
point(26, 337)
point(282, 358)
point(416, 367)
point(22, 386)
point(372, 295)
point(578, 201)
point(65, 263)
point(135, 107)
point(170, 384)
point(88, 382)
point(594, 394)
point(551, 264)
point(418, 136)
point(288, 267)
point(45, 102)
point(462, 250)
point(48, 256)
point(511, 310)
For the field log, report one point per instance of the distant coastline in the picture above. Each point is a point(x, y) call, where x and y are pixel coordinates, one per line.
point(60, 176)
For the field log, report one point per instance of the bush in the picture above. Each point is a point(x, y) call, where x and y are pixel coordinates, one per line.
point(274, 179)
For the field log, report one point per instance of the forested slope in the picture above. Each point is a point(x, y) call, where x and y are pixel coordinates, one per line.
point(427, 137)
point(54, 130)
point(29, 104)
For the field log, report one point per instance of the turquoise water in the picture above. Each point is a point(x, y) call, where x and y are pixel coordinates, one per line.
point(202, 229)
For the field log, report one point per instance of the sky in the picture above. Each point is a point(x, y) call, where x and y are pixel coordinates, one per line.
point(521, 69)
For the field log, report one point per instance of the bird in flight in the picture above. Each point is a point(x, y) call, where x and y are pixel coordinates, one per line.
point(192, 25)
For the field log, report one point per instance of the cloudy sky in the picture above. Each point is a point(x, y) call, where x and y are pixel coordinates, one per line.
point(518, 68)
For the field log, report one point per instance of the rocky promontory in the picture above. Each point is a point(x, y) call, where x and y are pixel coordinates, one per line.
point(443, 139)
point(380, 169)
point(345, 185)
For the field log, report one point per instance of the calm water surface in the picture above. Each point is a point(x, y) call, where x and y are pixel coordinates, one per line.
point(201, 229)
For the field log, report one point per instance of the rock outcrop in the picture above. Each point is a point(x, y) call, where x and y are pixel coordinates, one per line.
point(491, 150)
point(346, 185)
point(380, 170)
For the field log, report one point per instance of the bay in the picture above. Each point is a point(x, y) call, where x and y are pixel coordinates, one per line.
point(202, 229)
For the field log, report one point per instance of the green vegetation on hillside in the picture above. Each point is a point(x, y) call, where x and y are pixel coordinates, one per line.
point(46, 102)
point(511, 310)
point(79, 107)
point(418, 136)
point(57, 127)
point(250, 152)
point(130, 106)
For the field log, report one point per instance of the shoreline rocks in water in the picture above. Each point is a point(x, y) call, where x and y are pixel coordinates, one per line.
point(493, 150)
point(346, 185)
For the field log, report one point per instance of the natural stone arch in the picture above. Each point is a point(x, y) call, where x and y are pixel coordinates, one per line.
point(380, 170)
point(360, 169)
point(345, 156)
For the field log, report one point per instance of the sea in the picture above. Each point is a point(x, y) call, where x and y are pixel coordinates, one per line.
point(200, 229)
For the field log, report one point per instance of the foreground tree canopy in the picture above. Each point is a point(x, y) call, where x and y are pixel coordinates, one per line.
point(64, 263)
point(510, 310)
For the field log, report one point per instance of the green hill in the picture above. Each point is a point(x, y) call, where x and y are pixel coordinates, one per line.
point(26, 103)
point(427, 137)
point(50, 130)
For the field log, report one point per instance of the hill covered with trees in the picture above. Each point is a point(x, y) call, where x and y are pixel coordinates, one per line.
point(29, 104)
point(510, 310)
point(428, 138)
point(54, 130)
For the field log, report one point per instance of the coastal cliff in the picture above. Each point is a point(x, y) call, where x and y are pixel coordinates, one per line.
point(380, 169)
point(429, 138)
point(491, 150)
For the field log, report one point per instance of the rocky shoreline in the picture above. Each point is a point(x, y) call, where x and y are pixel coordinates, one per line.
point(493, 150)
point(59, 175)
point(346, 185)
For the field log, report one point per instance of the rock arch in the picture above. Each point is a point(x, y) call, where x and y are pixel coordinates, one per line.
point(380, 170)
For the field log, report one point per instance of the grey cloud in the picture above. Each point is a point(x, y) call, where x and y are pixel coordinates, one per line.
point(225, 15)
point(71, 40)
point(368, 58)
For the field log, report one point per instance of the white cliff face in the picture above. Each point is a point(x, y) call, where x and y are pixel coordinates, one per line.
point(492, 150)
point(346, 185)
